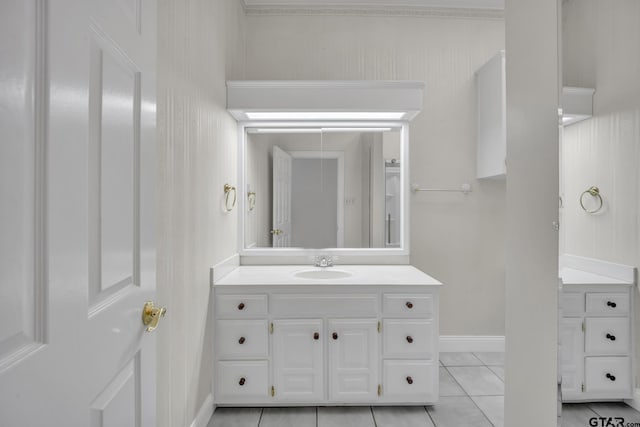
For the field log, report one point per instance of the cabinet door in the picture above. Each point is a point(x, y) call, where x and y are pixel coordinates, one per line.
point(353, 359)
point(571, 354)
point(298, 359)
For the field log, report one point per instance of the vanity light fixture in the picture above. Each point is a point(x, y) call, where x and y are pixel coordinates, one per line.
point(324, 115)
point(317, 130)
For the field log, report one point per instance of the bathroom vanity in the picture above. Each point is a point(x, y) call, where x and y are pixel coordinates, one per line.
point(596, 330)
point(296, 335)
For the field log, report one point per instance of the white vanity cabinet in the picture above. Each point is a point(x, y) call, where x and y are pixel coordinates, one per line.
point(302, 344)
point(596, 342)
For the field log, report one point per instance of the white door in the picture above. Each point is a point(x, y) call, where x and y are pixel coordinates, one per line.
point(571, 354)
point(353, 359)
point(77, 176)
point(298, 359)
point(281, 231)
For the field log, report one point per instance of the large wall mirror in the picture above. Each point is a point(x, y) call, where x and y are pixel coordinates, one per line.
point(324, 187)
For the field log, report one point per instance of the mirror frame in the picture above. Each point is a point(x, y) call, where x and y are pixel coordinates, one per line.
point(343, 255)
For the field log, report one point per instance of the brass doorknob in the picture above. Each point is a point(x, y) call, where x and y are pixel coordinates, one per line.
point(276, 232)
point(151, 315)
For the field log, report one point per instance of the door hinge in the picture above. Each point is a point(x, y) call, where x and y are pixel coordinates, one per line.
point(379, 326)
point(379, 389)
point(271, 327)
point(583, 387)
point(584, 328)
point(273, 391)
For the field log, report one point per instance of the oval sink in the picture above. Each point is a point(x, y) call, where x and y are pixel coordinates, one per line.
point(322, 274)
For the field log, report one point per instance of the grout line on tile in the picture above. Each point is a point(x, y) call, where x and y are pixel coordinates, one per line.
point(373, 416)
point(455, 380)
point(316, 416)
point(430, 417)
point(481, 411)
point(260, 419)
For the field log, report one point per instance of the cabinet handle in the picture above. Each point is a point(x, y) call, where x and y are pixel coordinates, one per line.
point(409, 339)
point(611, 337)
point(316, 336)
point(409, 305)
point(241, 340)
point(611, 304)
point(410, 380)
point(241, 306)
point(611, 377)
point(335, 335)
point(242, 381)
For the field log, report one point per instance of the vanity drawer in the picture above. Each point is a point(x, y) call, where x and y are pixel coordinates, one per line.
point(241, 305)
point(607, 303)
point(607, 335)
point(409, 380)
point(242, 338)
point(409, 305)
point(238, 379)
point(408, 338)
point(608, 374)
point(572, 303)
point(343, 305)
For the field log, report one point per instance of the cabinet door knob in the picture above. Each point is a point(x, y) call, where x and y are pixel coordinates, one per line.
point(611, 337)
point(241, 340)
point(409, 339)
point(241, 306)
point(242, 381)
point(611, 377)
point(611, 304)
point(335, 335)
point(316, 336)
point(410, 380)
point(409, 305)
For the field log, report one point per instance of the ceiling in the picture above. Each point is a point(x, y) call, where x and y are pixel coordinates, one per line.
point(386, 4)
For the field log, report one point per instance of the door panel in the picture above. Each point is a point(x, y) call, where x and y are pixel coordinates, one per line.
point(22, 285)
point(79, 84)
point(353, 359)
point(282, 175)
point(571, 354)
point(298, 359)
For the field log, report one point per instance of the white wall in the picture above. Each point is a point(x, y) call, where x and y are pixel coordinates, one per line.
point(458, 239)
point(600, 50)
point(200, 45)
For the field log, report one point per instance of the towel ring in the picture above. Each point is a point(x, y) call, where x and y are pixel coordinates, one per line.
point(595, 192)
point(251, 197)
point(227, 190)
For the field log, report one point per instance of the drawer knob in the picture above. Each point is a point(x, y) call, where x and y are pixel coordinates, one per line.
point(409, 339)
point(241, 306)
point(611, 304)
point(316, 336)
point(241, 340)
point(242, 381)
point(409, 305)
point(611, 377)
point(335, 335)
point(611, 337)
point(410, 380)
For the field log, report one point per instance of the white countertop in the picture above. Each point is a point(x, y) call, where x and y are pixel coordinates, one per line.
point(572, 276)
point(361, 275)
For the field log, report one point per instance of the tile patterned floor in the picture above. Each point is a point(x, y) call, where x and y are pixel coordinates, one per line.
point(471, 394)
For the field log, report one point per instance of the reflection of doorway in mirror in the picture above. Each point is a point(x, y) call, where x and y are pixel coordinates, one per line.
point(317, 211)
point(392, 204)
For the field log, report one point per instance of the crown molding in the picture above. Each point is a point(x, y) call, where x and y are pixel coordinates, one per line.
point(373, 11)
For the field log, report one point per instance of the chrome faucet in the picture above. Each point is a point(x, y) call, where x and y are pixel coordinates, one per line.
point(323, 261)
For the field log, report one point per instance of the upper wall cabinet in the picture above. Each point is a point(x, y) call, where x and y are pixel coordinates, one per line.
point(491, 126)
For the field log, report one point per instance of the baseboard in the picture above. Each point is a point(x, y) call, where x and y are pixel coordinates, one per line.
point(471, 343)
point(635, 402)
point(204, 414)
